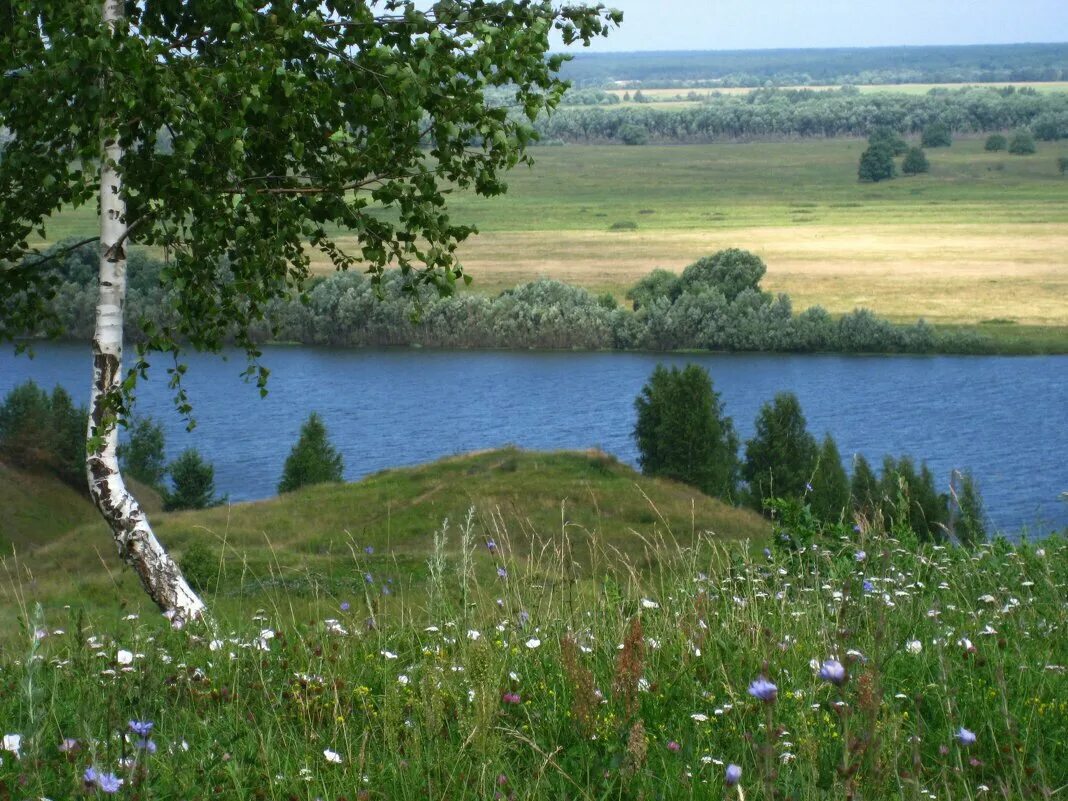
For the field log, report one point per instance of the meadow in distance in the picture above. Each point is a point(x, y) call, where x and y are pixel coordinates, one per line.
point(514, 625)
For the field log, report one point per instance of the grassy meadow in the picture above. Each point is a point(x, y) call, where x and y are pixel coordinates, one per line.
point(981, 238)
point(895, 671)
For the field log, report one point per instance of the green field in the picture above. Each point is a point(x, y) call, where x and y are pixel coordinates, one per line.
point(982, 237)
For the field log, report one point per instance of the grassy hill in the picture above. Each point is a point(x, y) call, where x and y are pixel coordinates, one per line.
point(565, 511)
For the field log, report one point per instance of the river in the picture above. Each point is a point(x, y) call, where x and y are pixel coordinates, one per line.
point(1004, 418)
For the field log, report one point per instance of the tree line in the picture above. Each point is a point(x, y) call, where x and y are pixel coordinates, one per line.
point(682, 433)
point(714, 304)
point(811, 113)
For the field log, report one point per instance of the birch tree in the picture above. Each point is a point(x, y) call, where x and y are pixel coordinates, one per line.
point(243, 138)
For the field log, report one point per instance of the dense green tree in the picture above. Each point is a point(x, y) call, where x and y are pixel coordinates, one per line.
point(996, 142)
point(877, 163)
point(657, 284)
point(937, 134)
point(241, 138)
point(1062, 165)
point(193, 483)
point(915, 162)
point(781, 457)
point(968, 518)
point(731, 271)
point(829, 497)
point(682, 433)
point(633, 134)
point(142, 455)
point(864, 490)
point(928, 511)
point(313, 459)
point(67, 438)
point(1022, 144)
point(42, 432)
point(891, 138)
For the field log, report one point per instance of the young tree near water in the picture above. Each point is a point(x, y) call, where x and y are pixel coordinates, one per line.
point(285, 121)
point(143, 454)
point(781, 457)
point(313, 459)
point(830, 484)
point(682, 433)
point(193, 482)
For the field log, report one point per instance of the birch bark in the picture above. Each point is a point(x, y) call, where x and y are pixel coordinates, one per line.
point(137, 544)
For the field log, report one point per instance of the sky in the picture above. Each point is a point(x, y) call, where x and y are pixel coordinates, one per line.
point(761, 24)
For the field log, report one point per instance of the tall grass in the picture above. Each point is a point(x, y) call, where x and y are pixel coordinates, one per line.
point(509, 674)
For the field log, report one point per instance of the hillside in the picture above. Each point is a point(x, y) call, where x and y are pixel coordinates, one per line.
point(316, 541)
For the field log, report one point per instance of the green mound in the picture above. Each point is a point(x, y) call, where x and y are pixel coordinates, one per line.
point(325, 538)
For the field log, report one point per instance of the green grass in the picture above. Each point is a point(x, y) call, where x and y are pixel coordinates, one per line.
point(306, 541)
point(537, 685)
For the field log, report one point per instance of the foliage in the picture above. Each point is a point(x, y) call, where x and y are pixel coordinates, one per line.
point(829, 497)
point(1022, 143)
point(781, 457)
point(200, 566)
point(142, 455)
point(313, 459)
point(682, 434)
point(891, 138)
point(996, 142)
point(246, 130)
point(911, 495)
point(864, 488)
point(659, 283)
point(937, 134)
point(1062, 165)
point(915, 162)
point(877, 163)
point(967, 519)
point(43, 432)
point(632, 134)
point(731, 272)
point(193, 483)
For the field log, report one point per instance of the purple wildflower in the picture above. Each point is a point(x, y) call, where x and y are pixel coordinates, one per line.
point(491, 546)
point(763, 689)
point(674, 747)
point(146, 745)
point(965, 737)
point(502, 573)
point(90, 776)
point(868, 586)
point(808, 486)
point(370, 549)
point(345, 606)
point(833, 671)
point(141, 727)
point(109, 782)
point(860, 556)
point(368, 578)
point(524, 617)
point(767, 553)
point(68, 745)
point(733, 775)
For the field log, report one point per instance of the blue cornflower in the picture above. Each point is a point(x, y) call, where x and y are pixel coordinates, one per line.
point(109, 782)
point(524, 617)
point(833, 671)
point(370, 549)
point(90, 776)
point(965, 737)
point(868, 586)
point(763, 689)
point(146, 745)
point(860, 556)
point(345, 606)
point(141, 727)
point(767, 553)
point(808, 486)
point(368, 578)
point(491, 546)
point(502, 573)
point(733, 774)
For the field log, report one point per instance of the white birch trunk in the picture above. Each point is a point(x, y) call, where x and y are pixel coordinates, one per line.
point(137, 545)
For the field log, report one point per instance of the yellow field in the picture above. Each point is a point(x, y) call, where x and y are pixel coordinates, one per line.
point(961, 273)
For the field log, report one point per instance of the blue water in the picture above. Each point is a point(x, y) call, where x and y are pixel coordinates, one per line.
point(1004, 418)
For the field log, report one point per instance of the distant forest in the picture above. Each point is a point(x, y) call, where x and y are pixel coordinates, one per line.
point(829, 67)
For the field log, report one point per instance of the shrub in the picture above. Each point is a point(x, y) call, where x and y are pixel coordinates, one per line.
point(682, 434)
point(313, 459)
point(877, 163)
point(967, 521)
point(864, 488)
point(996, 142)
point(193, 482)
point(731, 271)
point(915, 162)
point(632, 134)
point(1062, 164)
point(781, 457)
point(937, 134)
point(829, 497)
point(926, 511)
point(1022, 144)
point(891, 138)
point(657, 284)
point(200, 566)
point(623, 225)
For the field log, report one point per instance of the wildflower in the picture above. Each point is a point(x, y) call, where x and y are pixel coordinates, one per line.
point(502, 780)
point(332, 756)
point(914, 646)
point(511, 698)
point(388, 654)
point(674, 747)
point(649, 604)
point(860, 556)
point(868, 586)
point(473, 634)
point(501, 572)
point(141, 727)
point(367, 577)
point(345, 606)
point(763, 690)
point(68, 745)
point(699, 717)
point(524, 617)
point(12, 743)
point(403, 679)
point(733, 774)
point(90, 776)
point(965, 737)
point(808, 487)
point(124, 657)
point(533, 643)
point(109, 782)
point(833, 671)
point(369, 550)
point(767, 553)
point(491, 545)
point(146, 745)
